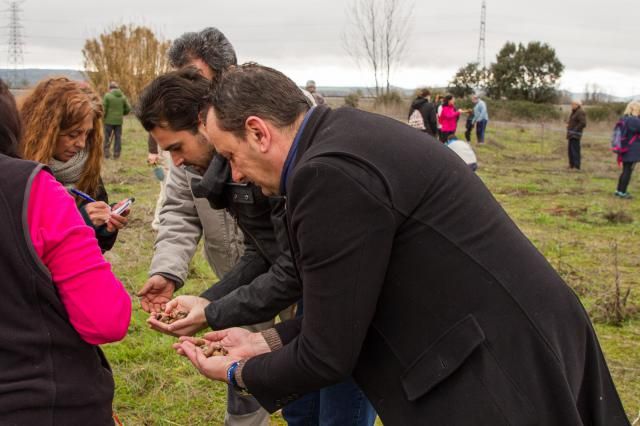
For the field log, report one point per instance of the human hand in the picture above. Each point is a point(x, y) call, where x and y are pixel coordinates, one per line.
point(118, 221)
point(188, 326)
point(99, 212)
point(156, 292)
point(214, 367)
point(239, 342)
point(153, 159)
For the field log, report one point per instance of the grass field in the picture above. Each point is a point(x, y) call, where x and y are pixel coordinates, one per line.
point(572, 217)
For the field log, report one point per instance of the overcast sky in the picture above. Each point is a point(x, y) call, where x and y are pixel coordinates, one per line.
point(596, 41)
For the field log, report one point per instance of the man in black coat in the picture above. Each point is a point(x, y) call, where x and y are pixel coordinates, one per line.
point(575, 126)
point(440, 320)
point(423, 104)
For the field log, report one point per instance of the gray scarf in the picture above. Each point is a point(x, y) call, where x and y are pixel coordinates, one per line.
point(68, 172)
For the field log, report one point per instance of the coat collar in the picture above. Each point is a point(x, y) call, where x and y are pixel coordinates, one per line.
point(302, 141)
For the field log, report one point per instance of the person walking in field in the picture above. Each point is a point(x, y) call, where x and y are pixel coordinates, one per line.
point(480, 117)
point(116, 106)
point(630, 147)
point(575, 126)
point(468, 126)
point(422, 104)
point(448, 118)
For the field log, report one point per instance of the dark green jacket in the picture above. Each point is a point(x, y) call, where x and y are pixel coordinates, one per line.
point(115, 107)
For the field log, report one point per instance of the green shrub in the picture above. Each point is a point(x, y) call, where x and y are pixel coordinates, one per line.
point(605, 111)
point(388, 99)
point(352, 99)
point(464, 103)
point(522, 110)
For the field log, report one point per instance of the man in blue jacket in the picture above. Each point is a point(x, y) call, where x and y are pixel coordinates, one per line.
point(480, 117)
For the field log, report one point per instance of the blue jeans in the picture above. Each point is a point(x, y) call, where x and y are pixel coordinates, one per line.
point(481, 126)
point(342, 404)
point(574, 153)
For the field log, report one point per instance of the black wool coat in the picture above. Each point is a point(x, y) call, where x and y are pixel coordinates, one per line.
point(264, 281)
point(418, 284)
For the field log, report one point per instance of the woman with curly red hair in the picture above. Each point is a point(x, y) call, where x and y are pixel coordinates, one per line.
point(63, 129)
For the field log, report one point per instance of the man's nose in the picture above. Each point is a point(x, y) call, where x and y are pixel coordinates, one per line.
point(177, 159)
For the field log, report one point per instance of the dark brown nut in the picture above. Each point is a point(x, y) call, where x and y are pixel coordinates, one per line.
point(208, 350)
point(171, 317)
point(201, 343)
point(220, 351)
point(213, 349)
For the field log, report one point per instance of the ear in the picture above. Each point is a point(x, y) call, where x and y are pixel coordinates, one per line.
point(258, 133)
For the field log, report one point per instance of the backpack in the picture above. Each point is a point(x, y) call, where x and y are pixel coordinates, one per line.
point(619, 139)
point(416, 121)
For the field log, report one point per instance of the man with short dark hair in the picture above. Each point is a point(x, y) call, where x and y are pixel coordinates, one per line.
point(184, 219)
point(439, 320)
point(167, 109)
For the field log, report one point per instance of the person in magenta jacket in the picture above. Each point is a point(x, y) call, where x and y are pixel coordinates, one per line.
point(448, 118)
point(59, 297)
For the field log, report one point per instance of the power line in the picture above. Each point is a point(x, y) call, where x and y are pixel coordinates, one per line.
point(16, 44)
point(482, 56)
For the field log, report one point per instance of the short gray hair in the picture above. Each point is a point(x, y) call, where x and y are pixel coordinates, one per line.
point(210, 45)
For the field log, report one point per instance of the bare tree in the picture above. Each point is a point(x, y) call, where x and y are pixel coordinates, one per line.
point(130, 55)
point(377, 36)
point(594, 94)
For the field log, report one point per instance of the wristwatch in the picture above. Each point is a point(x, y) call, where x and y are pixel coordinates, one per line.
point(231, 378)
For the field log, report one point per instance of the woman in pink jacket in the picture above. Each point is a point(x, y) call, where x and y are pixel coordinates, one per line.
point(448, 118)
point(59, 301)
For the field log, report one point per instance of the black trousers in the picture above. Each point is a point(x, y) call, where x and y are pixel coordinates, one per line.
point(467, 132)
point(116, 131)
point(625, 177)
point(574, 153)
point(444, 136)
